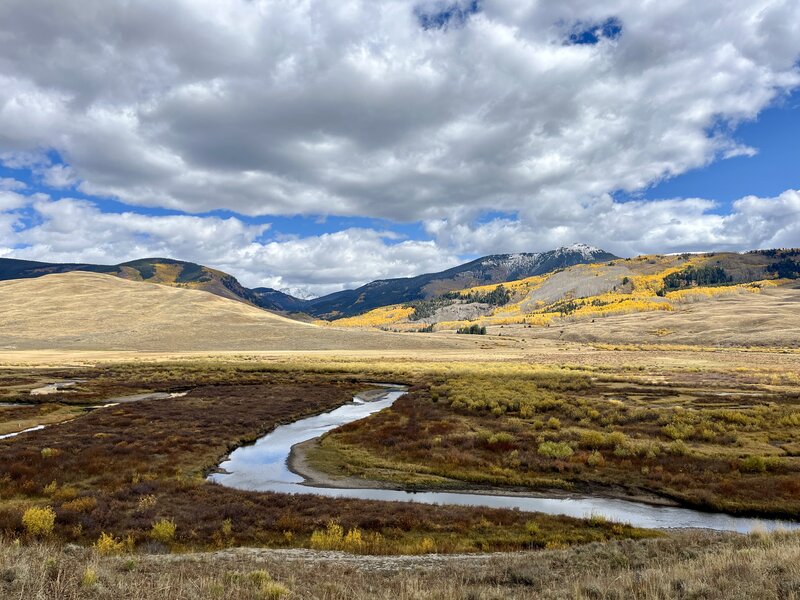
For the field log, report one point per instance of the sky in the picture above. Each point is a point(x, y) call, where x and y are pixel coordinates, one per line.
point(315, 145)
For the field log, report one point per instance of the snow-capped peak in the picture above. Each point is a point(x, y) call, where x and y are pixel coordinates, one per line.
point(583, 249)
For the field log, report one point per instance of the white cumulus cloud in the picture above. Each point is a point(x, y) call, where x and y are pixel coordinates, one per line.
point(394, 109)
point(354, 108)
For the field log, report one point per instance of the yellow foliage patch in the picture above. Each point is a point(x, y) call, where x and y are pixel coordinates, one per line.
point(385, 315)
point(39, 521)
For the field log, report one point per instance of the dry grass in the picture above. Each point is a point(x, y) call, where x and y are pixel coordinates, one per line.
point(768, 319)
point(101, 312)
point(687, 565)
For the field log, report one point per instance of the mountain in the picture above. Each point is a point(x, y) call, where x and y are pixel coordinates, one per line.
point(497, 268)
point(177, 273)
point(12, 268)
point(585, 292)
point(277, 301)
point(571, 280)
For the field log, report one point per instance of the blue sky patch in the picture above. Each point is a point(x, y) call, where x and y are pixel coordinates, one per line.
point(591, 33)
point(774, 169)
point(442, 15)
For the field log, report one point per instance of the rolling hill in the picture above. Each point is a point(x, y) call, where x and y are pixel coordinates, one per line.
point(97, 311)
point(168, 305)
point(164, 271)
point(769, 318)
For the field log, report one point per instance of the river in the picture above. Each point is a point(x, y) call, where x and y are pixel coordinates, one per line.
point(263, 466)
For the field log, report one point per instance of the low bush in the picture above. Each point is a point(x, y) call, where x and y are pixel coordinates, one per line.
point(89, 577)
point(555, 450)
point(39, 522)
point(163, 531)
point(108, 544)
point(753, 464)
point(85, 504)
point(595, 459)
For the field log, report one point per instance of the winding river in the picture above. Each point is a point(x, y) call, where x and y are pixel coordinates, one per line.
point(263, 466)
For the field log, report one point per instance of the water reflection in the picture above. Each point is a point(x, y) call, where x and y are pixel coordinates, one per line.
point(263, 467)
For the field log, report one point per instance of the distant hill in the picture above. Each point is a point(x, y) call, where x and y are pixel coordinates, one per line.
point(177, 273)
point(277, 300)
point(97, 311)
point(568, 281)
point(496, 268)
point(714, 298)
point(12, 268)
point(164, 271)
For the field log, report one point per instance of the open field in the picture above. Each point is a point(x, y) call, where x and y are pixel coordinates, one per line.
point(670, 422)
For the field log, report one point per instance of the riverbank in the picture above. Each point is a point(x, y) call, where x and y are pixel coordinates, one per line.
point(234, 404)
point(281, 461)
point(300, 464)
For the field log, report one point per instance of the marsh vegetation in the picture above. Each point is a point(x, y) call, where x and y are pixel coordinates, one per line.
point(127, 474)
point(724, 441)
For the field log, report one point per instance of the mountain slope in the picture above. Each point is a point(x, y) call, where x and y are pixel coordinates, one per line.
point(12, 268)
point(770, 317)
point(492, 269)
point(277, 301)
point(538, 282)
point(587, 291)
point(95, 311)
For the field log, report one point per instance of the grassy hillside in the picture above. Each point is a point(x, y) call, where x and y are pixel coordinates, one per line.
point(588, 291)
point(163, 271)
point(569, 284)
point(96, 311)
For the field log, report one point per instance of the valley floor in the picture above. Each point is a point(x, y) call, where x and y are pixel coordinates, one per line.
point(675, 421)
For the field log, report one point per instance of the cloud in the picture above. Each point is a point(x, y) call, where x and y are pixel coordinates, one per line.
point(58, 176)
point(436, 111)
point(9, 199)
point(58, 231)
point(347, 259)
point(356, 107)
point(636, 227)
point(766, 223)
point(8, 183)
